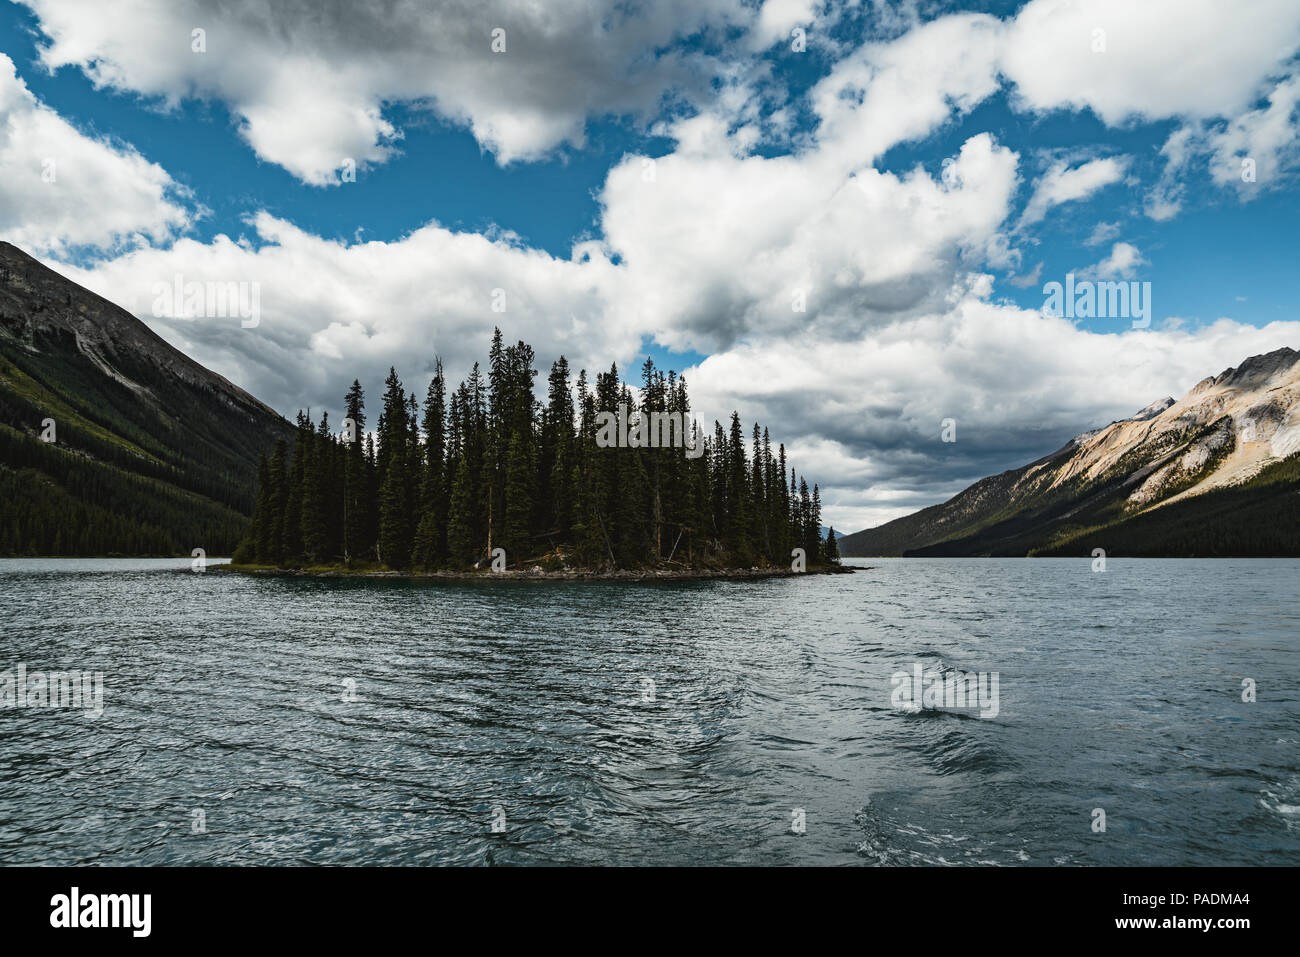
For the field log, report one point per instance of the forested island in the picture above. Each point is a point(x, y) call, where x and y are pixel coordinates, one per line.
point(487, 476)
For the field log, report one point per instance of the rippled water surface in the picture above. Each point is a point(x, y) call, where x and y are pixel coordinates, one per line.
point(526, 705)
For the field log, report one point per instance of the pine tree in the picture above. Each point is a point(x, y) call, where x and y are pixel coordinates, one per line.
point(783, 519)
point(805, 533)
point(317, 459)
point(831, 551)
point(371, 500)
point(460, 520)
point(291, 534)
point(487, 465)
point(758, 498)
point(518, 498)
point(556, 459)
point(396, 461)
point(812, 529)
point(479, 470)
point(431, 535)
point(739, 498)
point(720, 468)
point(357, 501)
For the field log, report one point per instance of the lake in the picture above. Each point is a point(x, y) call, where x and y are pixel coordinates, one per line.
point(303, 721)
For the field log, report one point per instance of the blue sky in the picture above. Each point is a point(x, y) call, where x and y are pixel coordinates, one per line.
point(1223, 257)
point(480, 171)
point(440, 174)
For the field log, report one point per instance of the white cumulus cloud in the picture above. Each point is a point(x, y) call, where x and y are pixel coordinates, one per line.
point(63, 189)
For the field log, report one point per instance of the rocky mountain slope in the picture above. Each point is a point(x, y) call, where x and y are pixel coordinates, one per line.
point(151, 452)
point(1215, 473)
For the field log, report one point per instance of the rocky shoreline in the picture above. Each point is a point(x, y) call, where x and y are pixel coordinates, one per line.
point(537, 573)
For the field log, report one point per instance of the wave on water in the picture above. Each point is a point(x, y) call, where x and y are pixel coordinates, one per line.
point(890, 841)
point(1283, 799)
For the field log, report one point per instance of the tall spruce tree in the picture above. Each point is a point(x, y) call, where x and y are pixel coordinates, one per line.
point(396, 461)
point(317, 459)
point(358, 503)
point(431, 534)
point(739, 497)
point(831, 550)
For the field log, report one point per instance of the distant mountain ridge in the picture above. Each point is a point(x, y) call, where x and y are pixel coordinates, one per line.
point(153, 453)
point(1214, 473)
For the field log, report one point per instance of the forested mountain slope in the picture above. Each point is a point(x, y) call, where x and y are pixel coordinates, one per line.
point(152, 454)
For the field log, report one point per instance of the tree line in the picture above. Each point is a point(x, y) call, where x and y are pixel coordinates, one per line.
point(442, 483)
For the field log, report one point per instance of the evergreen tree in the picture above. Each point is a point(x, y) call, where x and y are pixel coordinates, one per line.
point(291, 534)
point(487, 465)
point(518, 498)
point(358, 502)
point(460, 520)
point(812, 526)
point(739, 498)
point(396, 511)
point(556, 459)
point(317, 460)
point(758, 498)
point(371, 500)
point(831, 551)
point(782, 519)
point(431, 535)
point(805, 531)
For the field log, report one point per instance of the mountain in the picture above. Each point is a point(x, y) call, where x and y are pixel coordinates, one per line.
point(1213, 474)
point(152, 454)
